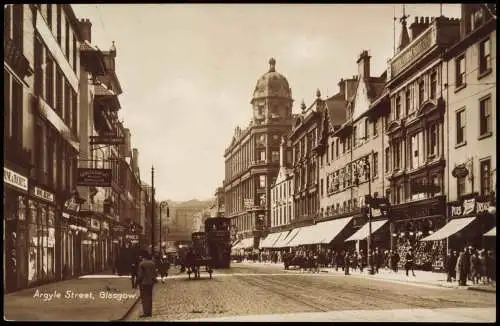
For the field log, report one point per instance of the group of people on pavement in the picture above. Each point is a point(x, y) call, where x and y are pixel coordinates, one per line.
point(470, 264)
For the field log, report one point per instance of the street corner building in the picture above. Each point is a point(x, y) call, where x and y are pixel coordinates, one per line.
point(395, 160)
point(72, 190)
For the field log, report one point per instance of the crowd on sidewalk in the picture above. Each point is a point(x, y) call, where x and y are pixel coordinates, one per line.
point(477, 266)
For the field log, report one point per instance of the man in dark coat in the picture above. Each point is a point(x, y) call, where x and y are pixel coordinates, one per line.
point(409, 262)
point(146, 278)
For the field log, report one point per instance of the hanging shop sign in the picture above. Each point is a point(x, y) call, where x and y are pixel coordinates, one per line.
point(43, 194)
point(15, 179)
point(107, 140)
point(72, 205)
point(460, 171)
point(95, 224)
point(94, 177)
point(132, 236)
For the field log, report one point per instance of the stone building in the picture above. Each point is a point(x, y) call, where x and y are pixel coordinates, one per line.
point(252, 158)
point(353, 168)
point(471, 119)
point(416, 136)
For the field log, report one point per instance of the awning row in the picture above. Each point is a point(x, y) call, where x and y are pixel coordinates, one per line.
point(326, 232)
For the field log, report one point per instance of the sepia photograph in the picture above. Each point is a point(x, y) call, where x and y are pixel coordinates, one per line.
point(216, 162)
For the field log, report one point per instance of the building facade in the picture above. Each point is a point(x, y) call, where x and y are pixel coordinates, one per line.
point(416, 134)
point(471, 115)
point(282, 211)
point(252, 158)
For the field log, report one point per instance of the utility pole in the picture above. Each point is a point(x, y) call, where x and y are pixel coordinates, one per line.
point(152, 210)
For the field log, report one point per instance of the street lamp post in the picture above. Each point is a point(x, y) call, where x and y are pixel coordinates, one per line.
point(152, 210)
point(163, 204)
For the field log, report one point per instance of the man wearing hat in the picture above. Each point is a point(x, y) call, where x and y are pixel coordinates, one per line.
point(146, 277)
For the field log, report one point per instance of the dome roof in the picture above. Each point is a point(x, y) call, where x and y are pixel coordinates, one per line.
point(272, 84)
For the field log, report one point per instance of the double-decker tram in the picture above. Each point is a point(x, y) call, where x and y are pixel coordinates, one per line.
point(218, 241)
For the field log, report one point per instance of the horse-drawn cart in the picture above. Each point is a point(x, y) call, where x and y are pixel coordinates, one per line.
point(198, 258)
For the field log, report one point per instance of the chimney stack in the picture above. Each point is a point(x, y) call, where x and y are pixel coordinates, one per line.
point(86, 29)
point(135, 159)
point(341, 86)
point(282, 152)
point(364, 64)
point(418, 26)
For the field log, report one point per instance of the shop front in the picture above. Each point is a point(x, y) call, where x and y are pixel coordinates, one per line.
point(15, 199)
point(469, 219)
point(41, 236)
point(77, 233)
point(106, 245)
point(412, 222)
point(69, 229)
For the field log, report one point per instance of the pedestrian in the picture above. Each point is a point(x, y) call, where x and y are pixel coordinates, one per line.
point(146, 278)
point(133, 270)
point(491, 267)
point(461, 269)
point(361, 261)
point(409, 262)
point(474, 267)
point(394, 258)
point(449, 266)
point(347, 261)
point(483, 265)
point(164, 267)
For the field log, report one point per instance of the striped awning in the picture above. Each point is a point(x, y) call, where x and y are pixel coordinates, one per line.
point(269, 240)
point(449, 229)
point(246, 243)
point(363, 232)
point(284, 242)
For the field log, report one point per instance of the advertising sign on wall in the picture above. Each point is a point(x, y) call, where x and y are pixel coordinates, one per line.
point(94, 177)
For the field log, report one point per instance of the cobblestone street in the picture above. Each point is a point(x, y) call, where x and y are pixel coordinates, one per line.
point(261, 290)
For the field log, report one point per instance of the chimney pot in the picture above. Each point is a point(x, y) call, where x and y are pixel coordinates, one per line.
point(416, 20)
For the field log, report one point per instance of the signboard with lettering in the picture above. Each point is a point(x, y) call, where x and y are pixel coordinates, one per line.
point(460, 172)
point(15, 179)
point(94, 177)
point(412, 52)
point(467, 207)
point(72, 205)
point(43, 194)
point(107, 140)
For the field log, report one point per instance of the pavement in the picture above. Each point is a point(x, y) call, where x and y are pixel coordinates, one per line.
point(461, 315)
point(421, 277)
point(102, 298)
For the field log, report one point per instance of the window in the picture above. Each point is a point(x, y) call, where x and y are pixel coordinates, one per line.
point(416, 151)
point(375, 131)
point(460, 127)
point(262, 155)
point(59, 14)
point(397, 155)
point(17, 26)
point(38, 67)
point(49, 15)
point(66, 40)
point(485, 177)
point(59, 92)
point(343, 146)
point(433, 85)
point(387, 159)
point(337, 146)
point(332, 149)
point(327, 159)
point(275, 156)
point(398, 108)
point(39, 149)
point(262, 181)
point(432, 140)
point(355, 135)
point(484, 56)
point(49, 81)
point(260, 110)
point(421, 90)
point(461, 186)
point(74, 52)
point(460, 71)
point(366, 129)
point(17, 111)
point(67, 104)
point(408, 101)
point(322, 186)
point(6, 102)
point(7, 22)
point(375, 165)
point(485, 116)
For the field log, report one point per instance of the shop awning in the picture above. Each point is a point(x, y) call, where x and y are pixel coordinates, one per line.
point(451, 228)
point(269, 240)
point(362, 233)
point(329, 230)
point(284, 242)
point(491, 233)
point(281, 236)
point(302, 237)
point(244, 244)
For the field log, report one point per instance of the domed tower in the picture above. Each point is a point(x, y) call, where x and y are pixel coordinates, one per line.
point(272, 97)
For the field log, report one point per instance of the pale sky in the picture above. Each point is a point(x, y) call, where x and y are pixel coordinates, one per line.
point(188, 71)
